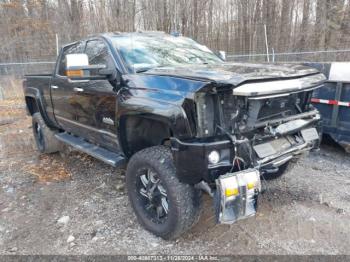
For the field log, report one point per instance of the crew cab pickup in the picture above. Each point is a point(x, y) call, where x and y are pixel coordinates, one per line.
point(183, 120)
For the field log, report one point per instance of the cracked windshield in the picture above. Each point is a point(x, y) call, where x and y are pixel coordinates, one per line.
point(142, 53)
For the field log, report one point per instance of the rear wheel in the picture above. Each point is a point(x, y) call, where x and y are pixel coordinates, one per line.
point(45, 139)
point(163, 205)
point(281, 170)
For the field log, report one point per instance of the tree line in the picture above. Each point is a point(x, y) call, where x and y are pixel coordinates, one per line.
point(28, 28)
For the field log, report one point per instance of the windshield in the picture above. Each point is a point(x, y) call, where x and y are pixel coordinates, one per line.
point(142, 52)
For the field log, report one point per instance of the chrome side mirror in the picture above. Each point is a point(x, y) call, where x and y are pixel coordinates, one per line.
point(76, 60)
point(77, 67)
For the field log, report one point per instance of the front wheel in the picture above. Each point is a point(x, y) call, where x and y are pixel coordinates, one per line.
point(163, 205)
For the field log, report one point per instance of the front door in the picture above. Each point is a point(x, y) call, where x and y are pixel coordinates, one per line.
point(95, 101)
point(63, 92)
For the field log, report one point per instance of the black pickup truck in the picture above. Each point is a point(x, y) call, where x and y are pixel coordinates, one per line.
point(183, 119)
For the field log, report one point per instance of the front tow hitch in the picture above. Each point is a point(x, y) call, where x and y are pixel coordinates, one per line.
point(236, 195)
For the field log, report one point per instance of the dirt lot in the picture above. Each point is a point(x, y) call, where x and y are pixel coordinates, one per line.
point(307, 211)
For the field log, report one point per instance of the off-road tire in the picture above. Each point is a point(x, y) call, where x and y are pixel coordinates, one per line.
point(46, 142)
point(183, 199)
point(281, 171)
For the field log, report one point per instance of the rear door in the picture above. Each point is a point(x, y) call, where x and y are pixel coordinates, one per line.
point(63, 91)
point(95, 101)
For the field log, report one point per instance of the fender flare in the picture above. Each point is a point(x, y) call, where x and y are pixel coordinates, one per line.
point(171, 115)
point(34, 93)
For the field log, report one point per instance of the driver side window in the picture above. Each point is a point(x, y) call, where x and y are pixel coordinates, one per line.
point(97, 52)
point(77, 48)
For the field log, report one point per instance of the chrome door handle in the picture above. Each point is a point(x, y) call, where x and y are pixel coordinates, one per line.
point(78, 89)
point(54, 87)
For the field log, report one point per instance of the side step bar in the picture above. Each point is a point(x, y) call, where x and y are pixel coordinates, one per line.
point(111, 158)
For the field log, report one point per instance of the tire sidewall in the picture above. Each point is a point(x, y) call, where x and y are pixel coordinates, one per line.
point(36, 121)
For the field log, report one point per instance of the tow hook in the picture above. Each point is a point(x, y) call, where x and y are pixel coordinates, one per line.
point(236, 195)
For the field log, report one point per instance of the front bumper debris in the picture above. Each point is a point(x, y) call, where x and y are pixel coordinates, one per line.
point(289, 138)
point(276, 152)
point(236, 195)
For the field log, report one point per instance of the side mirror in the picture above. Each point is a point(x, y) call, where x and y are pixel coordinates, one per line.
point(222, 55)
point(78, 68)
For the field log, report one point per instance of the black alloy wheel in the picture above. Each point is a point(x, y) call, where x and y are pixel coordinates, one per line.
point(154, 198)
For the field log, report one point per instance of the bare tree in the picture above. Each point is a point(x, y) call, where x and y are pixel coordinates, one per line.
point(28, 27)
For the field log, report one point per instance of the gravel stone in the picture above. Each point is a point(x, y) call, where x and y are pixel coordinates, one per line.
point(63, 220)
point(70, 239)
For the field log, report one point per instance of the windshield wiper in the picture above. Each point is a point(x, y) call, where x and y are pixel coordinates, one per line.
point(142, 70)
point(145, 69)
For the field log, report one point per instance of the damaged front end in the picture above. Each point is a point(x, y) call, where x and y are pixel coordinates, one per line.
point(243, 133)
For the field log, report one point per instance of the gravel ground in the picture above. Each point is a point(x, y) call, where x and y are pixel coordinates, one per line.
point(69, 203)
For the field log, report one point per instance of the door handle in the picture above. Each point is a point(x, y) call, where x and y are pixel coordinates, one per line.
point(54, 87)
point(78, 89)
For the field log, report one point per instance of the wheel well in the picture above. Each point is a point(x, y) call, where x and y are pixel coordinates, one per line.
point(31, 105)
point(138, 133)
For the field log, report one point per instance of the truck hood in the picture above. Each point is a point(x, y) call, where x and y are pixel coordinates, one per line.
point(234, 73)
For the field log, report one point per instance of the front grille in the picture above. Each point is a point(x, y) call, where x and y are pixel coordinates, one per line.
point(245, 113)
point(223, 112)
point(275, 108)
point(281, 107)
